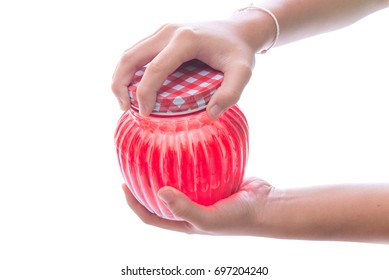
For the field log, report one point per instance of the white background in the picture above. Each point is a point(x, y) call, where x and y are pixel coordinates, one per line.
point(317, 109)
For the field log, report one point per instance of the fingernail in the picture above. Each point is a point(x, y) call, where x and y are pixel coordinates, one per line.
point(167, 196)
point(215, 111)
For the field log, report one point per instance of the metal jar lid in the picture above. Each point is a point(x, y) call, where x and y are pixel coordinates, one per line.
point(186, 90)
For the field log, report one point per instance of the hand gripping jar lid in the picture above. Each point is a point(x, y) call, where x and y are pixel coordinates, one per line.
point(186, 90)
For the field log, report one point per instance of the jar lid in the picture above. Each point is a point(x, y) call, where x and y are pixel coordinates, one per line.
point(186, 90)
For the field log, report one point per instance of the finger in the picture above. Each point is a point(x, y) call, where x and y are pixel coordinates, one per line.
point(134, 46)
point(181, 48)
point(123, 75)
point(235, 79)
point(131, 60)
point(151, 219)
point(183, 208)
point(226, 217)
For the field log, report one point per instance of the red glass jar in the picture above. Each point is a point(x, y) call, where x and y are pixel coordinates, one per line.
point(178, 145)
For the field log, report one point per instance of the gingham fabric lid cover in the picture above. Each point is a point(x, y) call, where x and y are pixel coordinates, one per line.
point(186, 90)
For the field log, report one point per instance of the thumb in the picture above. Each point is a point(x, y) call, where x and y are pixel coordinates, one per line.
point(229, 92)
point(180, 205)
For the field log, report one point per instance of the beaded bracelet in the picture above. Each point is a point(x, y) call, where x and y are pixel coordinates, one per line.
point(252, 7)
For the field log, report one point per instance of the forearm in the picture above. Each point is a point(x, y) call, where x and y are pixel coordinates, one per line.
point(299, 19)
point(337, 212)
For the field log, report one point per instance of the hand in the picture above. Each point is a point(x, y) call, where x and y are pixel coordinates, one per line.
point(224, 45)
point(239, 214)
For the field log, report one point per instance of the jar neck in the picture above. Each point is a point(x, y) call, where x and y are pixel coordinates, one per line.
point(135, 113)
point(171, 123)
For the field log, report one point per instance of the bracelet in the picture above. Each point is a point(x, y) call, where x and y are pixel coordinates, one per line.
point(252, 7)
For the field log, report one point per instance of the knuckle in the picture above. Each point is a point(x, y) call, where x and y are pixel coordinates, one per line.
point(168, 28)
point(246, 69)
point(115, 88)
point(185, 32)
point(127, 56)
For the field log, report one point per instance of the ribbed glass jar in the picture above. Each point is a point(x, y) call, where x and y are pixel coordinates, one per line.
point(178, 145)
point(203, 158)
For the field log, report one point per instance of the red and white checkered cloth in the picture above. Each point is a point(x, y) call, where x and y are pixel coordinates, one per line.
point(186, 90)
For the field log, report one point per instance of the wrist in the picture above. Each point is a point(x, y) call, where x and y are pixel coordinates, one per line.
point(296, 214)
point(272, 222)
point(258, 27)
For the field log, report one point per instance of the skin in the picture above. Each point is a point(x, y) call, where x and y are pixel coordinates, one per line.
point(357, 212)
point(229, 46)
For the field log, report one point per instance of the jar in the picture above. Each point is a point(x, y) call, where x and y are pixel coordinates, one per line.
point(178, 145)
